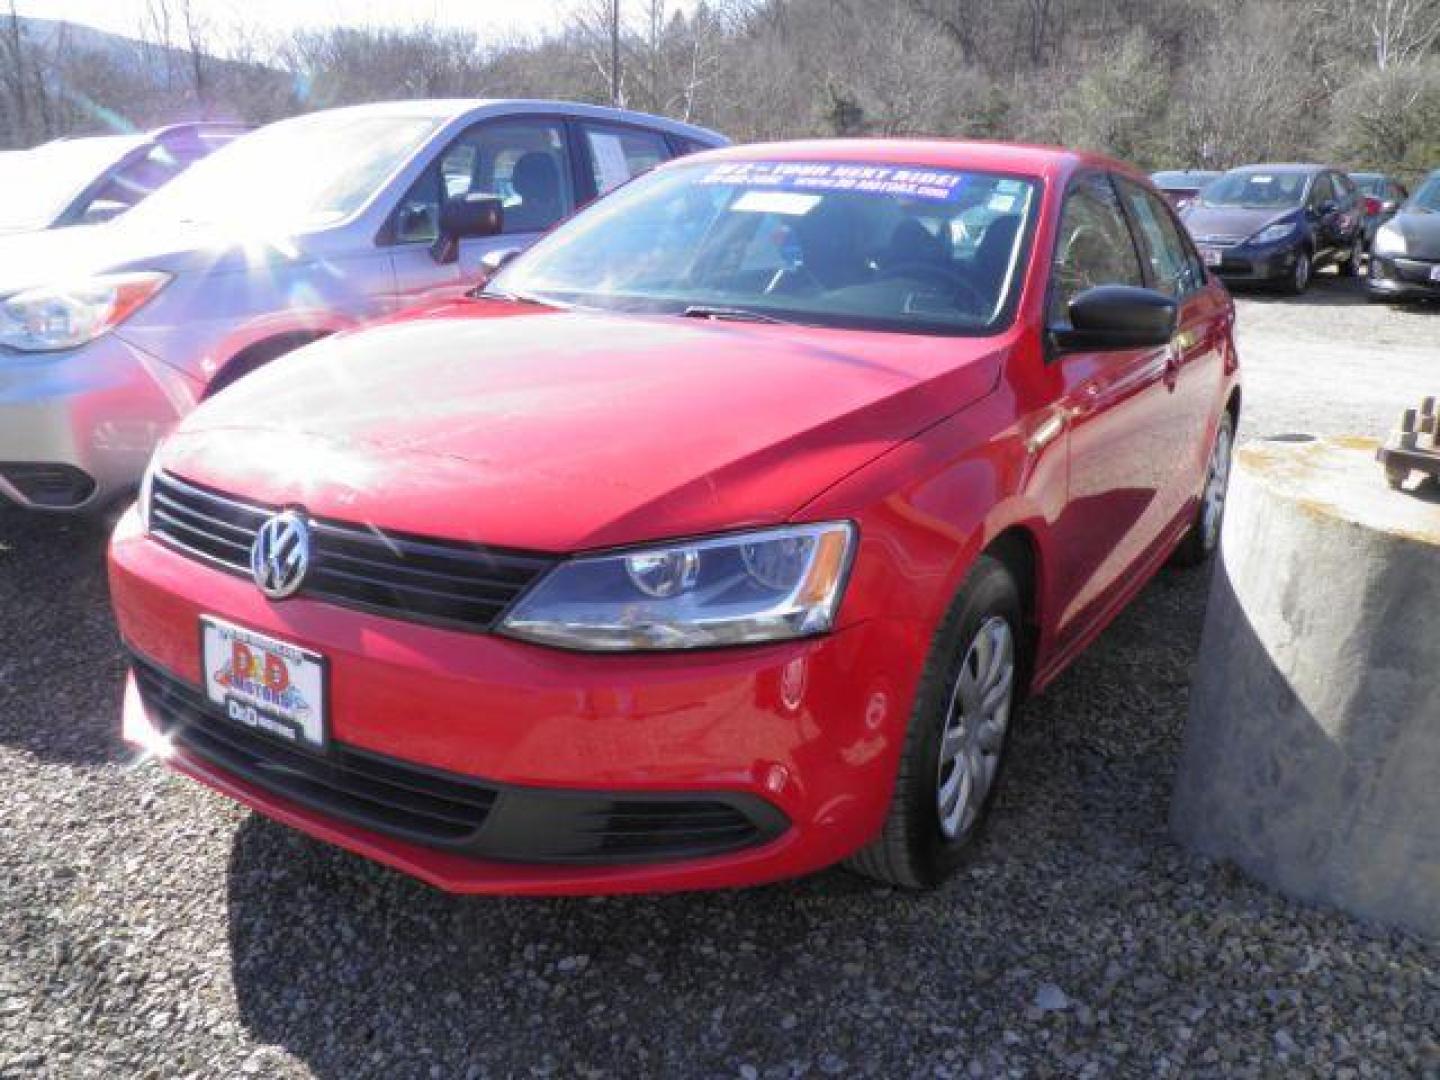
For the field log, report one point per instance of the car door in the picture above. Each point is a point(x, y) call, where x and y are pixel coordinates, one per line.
point(1120, 407)
point(1197, 376)
point(523, 161)
point(1322, 208)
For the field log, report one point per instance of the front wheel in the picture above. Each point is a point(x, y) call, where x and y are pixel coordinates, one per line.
point(1204, 535)
point(1299, 279)
point(957, 738)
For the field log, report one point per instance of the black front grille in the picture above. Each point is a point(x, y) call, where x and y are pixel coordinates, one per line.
point(387, 796)
point(458, 813)
point(446, 582)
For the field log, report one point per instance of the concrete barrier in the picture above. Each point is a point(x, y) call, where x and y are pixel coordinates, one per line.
point(1312, 753)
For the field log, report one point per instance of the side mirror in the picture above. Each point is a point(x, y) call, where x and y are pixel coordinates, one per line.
point(465, 217)
point(492, 262)
point(102, 210)
point(1117, 317)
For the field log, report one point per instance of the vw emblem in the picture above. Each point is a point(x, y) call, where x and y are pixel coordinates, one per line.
point(280, 555)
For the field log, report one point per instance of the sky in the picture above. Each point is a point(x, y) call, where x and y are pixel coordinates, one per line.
point(487, 17)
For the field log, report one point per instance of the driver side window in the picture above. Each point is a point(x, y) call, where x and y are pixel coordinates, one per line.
point(1094, 246)
point(524, 163)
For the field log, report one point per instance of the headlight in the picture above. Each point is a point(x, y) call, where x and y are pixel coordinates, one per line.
point(727, 590)
point(1271, 233)
point(1389, 241)
point(65, 316)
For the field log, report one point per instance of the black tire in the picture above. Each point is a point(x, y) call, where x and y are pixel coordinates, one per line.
point(912, 851)
point(1200, 543)
point(1299, 279)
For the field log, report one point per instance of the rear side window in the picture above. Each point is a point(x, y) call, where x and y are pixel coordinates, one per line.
point(1321, 191)
point(1094, 246)
point(618, 154)
point(1172, 269)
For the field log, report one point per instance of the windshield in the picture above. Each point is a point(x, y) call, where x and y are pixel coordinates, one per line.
point(822, 243)
point(40, 184)
point(1257, 190)
point(1369, 185)
point(1427, 199)
point(300, 173)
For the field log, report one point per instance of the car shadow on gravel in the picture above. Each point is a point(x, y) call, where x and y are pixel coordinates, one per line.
point(358, 970)
point(61, 668)
point(1327, 289)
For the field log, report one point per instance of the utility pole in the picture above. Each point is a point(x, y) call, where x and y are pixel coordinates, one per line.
point(615, 54)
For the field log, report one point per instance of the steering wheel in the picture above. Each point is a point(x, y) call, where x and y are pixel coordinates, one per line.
point(796, 274)
point(944, 276)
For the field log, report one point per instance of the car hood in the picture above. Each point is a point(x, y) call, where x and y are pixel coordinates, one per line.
point(1233, 222)
point(1421, 232)
point(53, 256)
point(568, 431)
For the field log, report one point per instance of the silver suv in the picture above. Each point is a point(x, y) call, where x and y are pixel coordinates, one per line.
point(110, 334)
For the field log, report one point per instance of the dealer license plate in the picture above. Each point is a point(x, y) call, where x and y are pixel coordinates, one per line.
point(1212, 256)
point(264, 684)
point(1435, 273)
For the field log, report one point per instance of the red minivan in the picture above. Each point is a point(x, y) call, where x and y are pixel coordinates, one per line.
point(714, 541)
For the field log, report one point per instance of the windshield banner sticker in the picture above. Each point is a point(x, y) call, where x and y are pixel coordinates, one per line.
point(898, 181)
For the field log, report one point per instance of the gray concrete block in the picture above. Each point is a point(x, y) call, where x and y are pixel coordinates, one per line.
point(1312, 752)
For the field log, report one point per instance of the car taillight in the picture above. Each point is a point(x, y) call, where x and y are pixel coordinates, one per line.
point(1372, 206)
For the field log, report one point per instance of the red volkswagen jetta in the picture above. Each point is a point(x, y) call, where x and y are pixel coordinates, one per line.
point(715, 541)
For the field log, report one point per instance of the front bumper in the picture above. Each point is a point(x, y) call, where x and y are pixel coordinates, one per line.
point(1402, 278)
point(799, 740)
point(77, 428)
point(1242, 263)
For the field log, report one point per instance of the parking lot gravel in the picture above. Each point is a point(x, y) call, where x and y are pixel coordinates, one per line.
point(149, 928)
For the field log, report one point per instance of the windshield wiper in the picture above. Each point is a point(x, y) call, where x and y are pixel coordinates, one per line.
point(729, 314)
point(512, 298)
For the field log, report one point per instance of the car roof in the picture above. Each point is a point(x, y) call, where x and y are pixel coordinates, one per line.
point(451, 109)
point(979, 155)
point(1164, 176)
point(1284, 167)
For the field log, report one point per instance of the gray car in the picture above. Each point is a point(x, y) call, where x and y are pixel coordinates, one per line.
point(110, 334)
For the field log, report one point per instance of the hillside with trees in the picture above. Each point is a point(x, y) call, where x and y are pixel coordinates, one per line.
point(1207, 83)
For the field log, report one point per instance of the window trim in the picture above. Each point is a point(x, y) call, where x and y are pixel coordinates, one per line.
point(385, 237)
point(1080, 176)
point(1187, 242)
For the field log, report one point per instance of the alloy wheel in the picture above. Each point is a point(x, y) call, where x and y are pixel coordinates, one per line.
point(1217, 486)
point(976, 720)
point(1302, 272)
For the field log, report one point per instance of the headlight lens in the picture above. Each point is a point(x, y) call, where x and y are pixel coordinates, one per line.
point(1271, 233)
point(66, 316)
point(727, 590)
point(1389, 241)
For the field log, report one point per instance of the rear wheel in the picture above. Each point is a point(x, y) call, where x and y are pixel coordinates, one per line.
point(958, 735)
point(1204, 535)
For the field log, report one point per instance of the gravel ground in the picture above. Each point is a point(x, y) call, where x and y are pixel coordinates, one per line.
point(148, 928)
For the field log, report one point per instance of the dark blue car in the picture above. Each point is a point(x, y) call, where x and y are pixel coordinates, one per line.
point(1278, 224)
